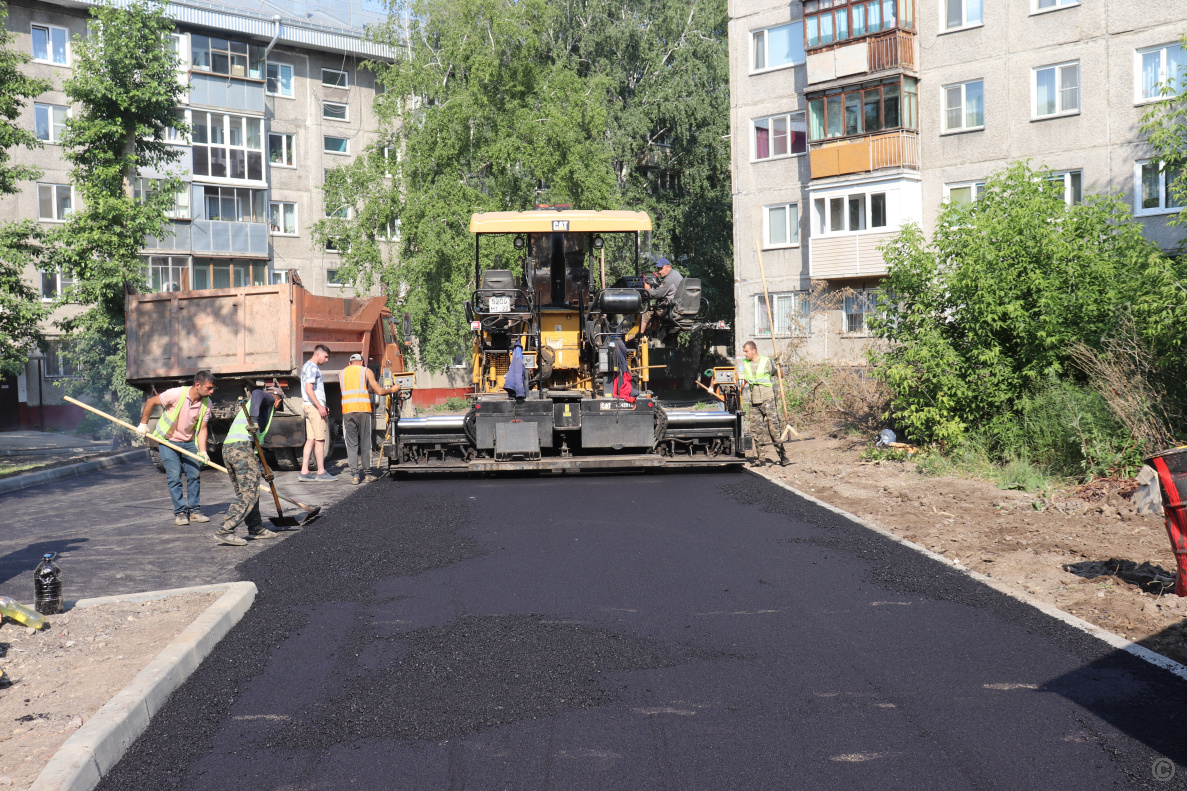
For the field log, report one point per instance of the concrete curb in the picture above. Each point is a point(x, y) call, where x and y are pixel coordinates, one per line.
point(96, 747)
point(99, 446)
point(17, 482)
point(1115, 640)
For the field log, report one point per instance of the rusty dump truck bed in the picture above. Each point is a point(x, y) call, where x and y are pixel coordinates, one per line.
point(256, 330)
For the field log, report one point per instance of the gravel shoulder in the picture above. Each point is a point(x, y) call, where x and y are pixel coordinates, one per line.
point(59, 677)
point(1100, 561)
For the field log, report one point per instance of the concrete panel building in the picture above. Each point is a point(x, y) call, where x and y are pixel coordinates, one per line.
point(869, 114)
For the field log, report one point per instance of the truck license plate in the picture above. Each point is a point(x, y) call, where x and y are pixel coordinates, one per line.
point(500, 304)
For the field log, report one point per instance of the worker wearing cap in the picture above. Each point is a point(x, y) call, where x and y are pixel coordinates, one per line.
point(662, 292)
point(243, 465)
point(358, 382)
point(763, 415)
point(183, 423)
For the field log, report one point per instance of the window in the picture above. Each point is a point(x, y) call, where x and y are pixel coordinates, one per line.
point(336, 145)
point(781, 225)
point(864, 109)
point(230, 204)
point(780, 136)
point(850, 213)
point(142, 188)
point(792, 315)
point(281, 276)
point(172, 132)
point(332, 78)
point(49, 122)
point(858, 306)
point(1071, 183)
point(54, 285)
point(1050, 5)
point(777, 46)
point(54, 201)
point(280, 79)
point(282, 219)
point(963, 193)
point(958, 14)
point(229, 273)
point(1159, 66)
point(280, 150)
point(57, 362)
point(227, 146)
point(964, 106)
point(1057, 90)
point(333, 278)
point(833, 21)
point(177, 47)
point(49, 44)
point(167, 272)
point(1154, 193)
point(333, 111)
point(389, 153)
point(222, 56)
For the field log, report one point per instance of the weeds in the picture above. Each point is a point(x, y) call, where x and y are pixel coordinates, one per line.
point(451, 404)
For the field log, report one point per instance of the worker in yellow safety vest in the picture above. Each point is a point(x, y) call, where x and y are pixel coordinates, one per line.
point(358, 382)
point(183, 423)
point(763, 415)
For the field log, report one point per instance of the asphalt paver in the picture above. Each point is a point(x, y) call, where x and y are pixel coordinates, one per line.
point(662, 631)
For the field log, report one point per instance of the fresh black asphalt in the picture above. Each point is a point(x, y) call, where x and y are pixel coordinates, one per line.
point(666, 631)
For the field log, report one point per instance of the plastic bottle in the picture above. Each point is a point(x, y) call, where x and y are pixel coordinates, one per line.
point(47, 586)
point(20, 613)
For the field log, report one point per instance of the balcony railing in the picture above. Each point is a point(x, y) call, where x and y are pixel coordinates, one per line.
point(894, 50)
point(863, 154)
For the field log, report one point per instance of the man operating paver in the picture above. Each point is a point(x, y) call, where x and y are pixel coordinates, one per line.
point(313, 395)
point(763, 414)
point(182, 422)
point(358, 382)
point(239, 456)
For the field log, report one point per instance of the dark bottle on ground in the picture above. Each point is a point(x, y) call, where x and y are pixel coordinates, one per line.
point(47, 586)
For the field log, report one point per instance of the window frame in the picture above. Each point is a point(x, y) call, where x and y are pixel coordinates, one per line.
point(62, 369)
point(208, 264)
point(296, 223)
point(60, 284)
point(227, 147)
point(964, 103)
point(345, 79)
point(332, 274)
point(50, 44)
point(908, 108)
point(345, 119)
point(325, 150)
point(279, 79)
point(964, 16)
point(1163, 193)
point(1069, 185)
point(766, 38)
point(1059, 6)
point(863, 297)
point(53, 140)
point(791, 229)
point(186, 268)
point(798, 327)
point(820, 224)
point(1139, 88)
point(791, 152)
point(1034, 90)
point(55, 186)
point(905, 19)
point(257, 195)
point(231, 56)
point(976, 186)
point(289, 145)
point(182, 209)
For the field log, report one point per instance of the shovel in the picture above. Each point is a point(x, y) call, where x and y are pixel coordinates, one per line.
point(280, 520)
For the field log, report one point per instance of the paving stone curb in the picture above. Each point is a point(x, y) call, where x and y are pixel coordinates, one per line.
point(17, 482)
point(94, 749)
point(1113, 639)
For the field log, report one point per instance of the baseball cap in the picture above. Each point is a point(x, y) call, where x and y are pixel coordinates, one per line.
point(660, 263)
point(354, 357)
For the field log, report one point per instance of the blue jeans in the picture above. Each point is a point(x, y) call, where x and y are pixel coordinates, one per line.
point(174, 464)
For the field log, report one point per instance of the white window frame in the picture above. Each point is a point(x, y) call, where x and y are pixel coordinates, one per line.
point(964, 17)
point(803, 116)
point(945, 129)
point(345, 82)
point(1034, 90)
point(279, 80)
point(325, 150)
point(1059, 6)
point(332, 273)
point(791, 229)
point(766, 45)
point(50, 43)
point(278, 276)
point(345, 112)
point(1066, 176)
point(289, 145)
point(55, 187)
point(229, 120)
point(181, 201)
point(861, 297)
point(822, 212)
point(1138, 88)
point(799, 326)
point(62, 370)
point(60, 284)
point(1163, 196)
point(53, 139)
point(258, 196)
point(977, 187)
point(187, 266)
point(296, 223)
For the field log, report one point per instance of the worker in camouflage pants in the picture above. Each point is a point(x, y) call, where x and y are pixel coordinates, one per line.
point(239, 456)
point(763, 415)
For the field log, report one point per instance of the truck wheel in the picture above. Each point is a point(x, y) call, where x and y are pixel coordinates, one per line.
point(154, 453)
point(286, 459)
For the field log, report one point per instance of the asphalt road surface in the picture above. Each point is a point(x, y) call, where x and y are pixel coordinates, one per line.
point(664, 631)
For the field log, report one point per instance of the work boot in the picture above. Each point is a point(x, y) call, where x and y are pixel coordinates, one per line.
point(198, 516)
point(355, 480)
point(369, 478)
point(229, 538)
point(181, 520)
point(263, 532)
point(784, 461)
point(758, 462)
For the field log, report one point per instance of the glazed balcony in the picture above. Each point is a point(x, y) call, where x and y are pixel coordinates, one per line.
point(896, 49)
point(898, 149)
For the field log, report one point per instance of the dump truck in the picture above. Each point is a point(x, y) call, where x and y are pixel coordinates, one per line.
point(254, 336)
point(560, 358)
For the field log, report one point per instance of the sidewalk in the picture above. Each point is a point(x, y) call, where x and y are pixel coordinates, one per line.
point(49, 443)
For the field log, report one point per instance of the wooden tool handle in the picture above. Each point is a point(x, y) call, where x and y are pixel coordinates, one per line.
point(132, 428)
point(255, 438)
point(708, 390)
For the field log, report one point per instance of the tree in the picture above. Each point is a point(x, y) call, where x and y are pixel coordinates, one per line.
point(21, 310)
point(991, 307)
point(126, 88)
point(1166, 125)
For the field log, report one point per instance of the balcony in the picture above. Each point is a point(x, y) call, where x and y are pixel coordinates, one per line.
point(895, 49)
point(847, 256)
point(865, 154)
point(243, 238)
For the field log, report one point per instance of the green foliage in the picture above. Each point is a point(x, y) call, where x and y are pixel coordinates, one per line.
point(988, 311)
point(496, 105)
point(452, 404)
point(1165, 123)
point(21, 310)
point(125, 84)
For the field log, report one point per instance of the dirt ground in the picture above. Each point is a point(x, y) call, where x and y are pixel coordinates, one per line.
point(57, 678)
point(1100, 561)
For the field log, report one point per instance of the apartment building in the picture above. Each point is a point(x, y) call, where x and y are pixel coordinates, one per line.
point(853, 117)
point(276, 98)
